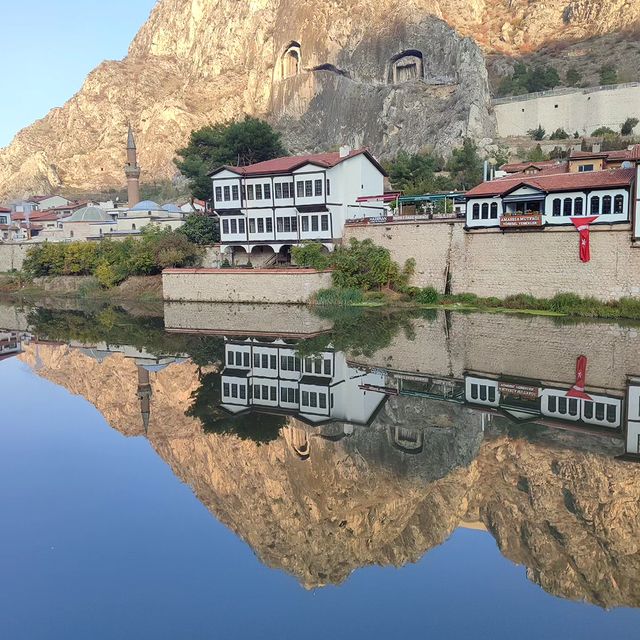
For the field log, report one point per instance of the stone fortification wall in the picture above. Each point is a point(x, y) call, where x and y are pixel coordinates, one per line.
point(544, 263)
point(12, 256)
point(248, 319)
point(581, 110)
point(285, 286)
point(493, 263)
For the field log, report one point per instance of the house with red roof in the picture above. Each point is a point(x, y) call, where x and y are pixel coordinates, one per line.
point(553, 197)
point(268, 207)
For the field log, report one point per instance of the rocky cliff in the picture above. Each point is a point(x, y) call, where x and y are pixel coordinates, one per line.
point(558, 504)
point(326, 73)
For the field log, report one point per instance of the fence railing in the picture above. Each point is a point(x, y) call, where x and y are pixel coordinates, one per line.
point(563, 92)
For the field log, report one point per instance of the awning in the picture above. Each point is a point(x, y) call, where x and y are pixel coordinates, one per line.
point(432, 197)
point(312, 208)
point(385, 197)
point(229, 212)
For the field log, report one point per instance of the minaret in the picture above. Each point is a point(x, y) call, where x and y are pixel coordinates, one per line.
point(132, 171)
point(144, 395)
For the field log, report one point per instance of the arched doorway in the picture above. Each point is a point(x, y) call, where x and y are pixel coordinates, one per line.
point(283, 256)
point(239, 257)
point(262, 255)
point(291, 60)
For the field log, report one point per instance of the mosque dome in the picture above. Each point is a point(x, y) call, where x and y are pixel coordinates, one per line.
point(89, 214)
point(146, 205)
point(171, 208)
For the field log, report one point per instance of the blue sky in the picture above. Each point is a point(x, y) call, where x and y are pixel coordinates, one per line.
point(49, 46)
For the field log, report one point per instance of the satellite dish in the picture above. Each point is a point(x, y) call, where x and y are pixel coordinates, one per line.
point(627, 164)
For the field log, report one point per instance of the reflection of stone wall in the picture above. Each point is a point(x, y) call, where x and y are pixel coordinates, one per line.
point(221, 318)
point(492, 263)
point(12, 317)
point(243, 285)
point(524, 346)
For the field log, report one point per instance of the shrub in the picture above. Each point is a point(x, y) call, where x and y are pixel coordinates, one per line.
point(340, 297)
point(364, 265)
point(629, 307)
point(603, 132)
point(628, 126)
point(521, 301)
point(112, 262)
point(608, 74)
point(538, 133)
point(559, 134)
point(428, 295)
point(313, 255)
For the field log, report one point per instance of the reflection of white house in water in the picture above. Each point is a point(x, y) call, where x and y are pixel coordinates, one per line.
point(273, 378)
point(632, 436)
point(551, 405)
point(10, 344)
point(528, 401)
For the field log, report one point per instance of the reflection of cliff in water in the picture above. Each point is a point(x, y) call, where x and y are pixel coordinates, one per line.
point(320, 501)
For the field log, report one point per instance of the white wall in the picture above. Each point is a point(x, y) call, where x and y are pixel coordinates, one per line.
point(581, 110)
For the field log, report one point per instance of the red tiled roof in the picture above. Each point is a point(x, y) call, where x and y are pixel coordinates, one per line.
point(556, 182)
point(4, 210)
point(516, 167)
point(288, 164)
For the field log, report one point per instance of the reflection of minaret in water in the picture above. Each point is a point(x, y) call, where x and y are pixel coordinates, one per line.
point(144, 394)
point(132, 171)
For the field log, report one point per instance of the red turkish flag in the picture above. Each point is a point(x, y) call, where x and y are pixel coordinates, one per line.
point(582, 225)
point(577, 391)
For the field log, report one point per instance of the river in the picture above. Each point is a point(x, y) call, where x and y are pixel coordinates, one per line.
point(242, 471)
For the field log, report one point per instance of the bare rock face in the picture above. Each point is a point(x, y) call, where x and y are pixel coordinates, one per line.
point(389, 74)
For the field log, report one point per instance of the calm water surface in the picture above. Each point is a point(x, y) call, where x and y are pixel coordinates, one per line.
point(247, 472)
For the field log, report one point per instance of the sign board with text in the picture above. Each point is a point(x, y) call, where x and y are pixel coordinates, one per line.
point(521, 220)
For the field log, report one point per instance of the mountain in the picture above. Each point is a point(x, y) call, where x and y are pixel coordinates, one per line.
point(202, 61)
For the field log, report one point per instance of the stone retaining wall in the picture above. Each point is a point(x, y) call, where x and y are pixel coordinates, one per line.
point(494, 263)
point(285, 286)
point(12, 256)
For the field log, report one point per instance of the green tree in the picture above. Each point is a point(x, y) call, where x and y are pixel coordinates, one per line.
point(629, 125)
point(536, 154)
point(573, 77)
point(538, 133)
point(608, 74)
point(465, 165)
point(234, 143)
point(501, 155)
point(201, 229)
point(559, 134)
point(603, 132)
point(418, 173)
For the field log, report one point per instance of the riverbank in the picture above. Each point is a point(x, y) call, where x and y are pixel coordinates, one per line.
point(562, 304)
point(136, 288)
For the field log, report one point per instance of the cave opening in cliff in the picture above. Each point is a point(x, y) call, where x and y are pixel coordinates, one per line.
point(407, 66)
point(291, 60)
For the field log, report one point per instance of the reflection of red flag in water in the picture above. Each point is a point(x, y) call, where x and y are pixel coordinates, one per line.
point(577, 391)
point(582, 225)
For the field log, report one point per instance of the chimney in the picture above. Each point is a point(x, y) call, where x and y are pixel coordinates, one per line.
point(595, 147)
point(345, 150)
